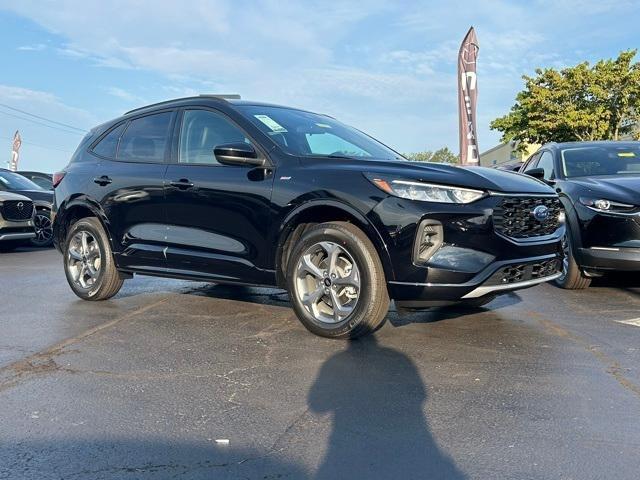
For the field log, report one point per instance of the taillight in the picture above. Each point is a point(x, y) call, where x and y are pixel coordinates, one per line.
point(57, 178)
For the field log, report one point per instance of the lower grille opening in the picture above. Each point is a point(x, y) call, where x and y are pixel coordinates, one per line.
point(522, 272)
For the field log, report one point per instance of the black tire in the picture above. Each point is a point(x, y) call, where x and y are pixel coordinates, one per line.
point(44, 229)
point(370, 310)
point(572, 277)
point(478, 302)
point(108, 280)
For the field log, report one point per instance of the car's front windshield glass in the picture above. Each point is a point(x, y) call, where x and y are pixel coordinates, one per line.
point(601, 160)
point(13, 181)
point(308, 134)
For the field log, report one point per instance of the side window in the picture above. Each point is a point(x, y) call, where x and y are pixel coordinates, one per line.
point(546, 163)
point(328, 143)
point(531, 163)
point(201, 132)
point(109, 144)
point(145, 139)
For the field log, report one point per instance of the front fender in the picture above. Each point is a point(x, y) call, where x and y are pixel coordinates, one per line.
point(292, 219)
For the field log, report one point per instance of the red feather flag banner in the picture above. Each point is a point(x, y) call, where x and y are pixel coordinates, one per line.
point(15, 152)
point(467, 98)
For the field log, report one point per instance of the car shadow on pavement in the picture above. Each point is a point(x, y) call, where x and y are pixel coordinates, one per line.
point(376, 397)
point(439, 314)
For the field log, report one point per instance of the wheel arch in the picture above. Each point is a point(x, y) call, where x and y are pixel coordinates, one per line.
point(314, 212)
point(73, 211)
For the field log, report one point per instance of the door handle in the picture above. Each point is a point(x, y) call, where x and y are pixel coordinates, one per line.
point(182, 184)
point(103, 180)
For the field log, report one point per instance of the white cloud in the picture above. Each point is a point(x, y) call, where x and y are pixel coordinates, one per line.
point(32, 48)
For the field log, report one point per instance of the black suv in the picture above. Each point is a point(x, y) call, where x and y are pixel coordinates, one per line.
point(599, 186)
point(229, 191)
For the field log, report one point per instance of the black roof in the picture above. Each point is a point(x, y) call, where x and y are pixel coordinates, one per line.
point(622, 143)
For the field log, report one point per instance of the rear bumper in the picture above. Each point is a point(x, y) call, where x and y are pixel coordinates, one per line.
point(610, 258)
point(499, 277)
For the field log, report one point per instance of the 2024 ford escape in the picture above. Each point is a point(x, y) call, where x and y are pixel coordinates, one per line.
point(223, 190)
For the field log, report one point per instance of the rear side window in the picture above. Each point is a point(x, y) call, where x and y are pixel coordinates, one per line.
point(109, 144)
point(145, 139)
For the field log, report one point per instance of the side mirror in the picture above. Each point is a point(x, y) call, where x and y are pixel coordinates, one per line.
point(240, 153)
point(536, 173)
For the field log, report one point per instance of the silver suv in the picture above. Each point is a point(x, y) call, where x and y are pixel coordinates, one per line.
point(16, 220)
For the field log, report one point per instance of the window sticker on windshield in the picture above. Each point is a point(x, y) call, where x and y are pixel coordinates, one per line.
point(271, 123)
point(323, 125)
point(626, 154)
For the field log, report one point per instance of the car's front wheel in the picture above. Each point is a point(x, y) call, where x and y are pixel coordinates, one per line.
point(88, 261)
point(44, 229)
point(336, 282)
point(572, 277)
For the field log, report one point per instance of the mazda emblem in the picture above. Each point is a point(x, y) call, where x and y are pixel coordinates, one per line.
point(20, 206)
point(540, 213)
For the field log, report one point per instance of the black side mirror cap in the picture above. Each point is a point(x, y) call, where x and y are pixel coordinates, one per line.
point(240, 153)
point(536, 173)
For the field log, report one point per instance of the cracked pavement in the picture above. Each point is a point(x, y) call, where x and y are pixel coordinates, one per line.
point(541, 384)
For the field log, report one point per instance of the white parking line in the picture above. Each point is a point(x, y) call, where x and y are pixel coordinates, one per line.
point(634, 321)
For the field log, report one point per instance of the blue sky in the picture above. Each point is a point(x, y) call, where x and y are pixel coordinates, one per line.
point(385, 67)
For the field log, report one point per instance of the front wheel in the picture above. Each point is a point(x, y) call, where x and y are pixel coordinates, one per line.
point(572, 277)
point(88, 261)
point(44, 229)
point(336, 282)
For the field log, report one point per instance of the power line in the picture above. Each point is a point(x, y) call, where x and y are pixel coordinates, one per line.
point(43, 118)
point(40, 123)
point(38, 145)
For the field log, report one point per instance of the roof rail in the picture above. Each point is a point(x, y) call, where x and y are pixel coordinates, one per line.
point(224, 96)
point(221, 97)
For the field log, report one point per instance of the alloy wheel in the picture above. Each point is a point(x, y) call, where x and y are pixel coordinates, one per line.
point(566, 252)
point(327, 282)
point(44, 229)
point(84, 259)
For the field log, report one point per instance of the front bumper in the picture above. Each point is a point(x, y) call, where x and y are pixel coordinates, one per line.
point(10, 230)
point(500, 277)
point(608, 241)
point(473, 256)
point(610, 258)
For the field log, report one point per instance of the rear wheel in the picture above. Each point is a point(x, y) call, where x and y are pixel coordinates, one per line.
point(336, 282)
point(572, 277)
point(88, 261)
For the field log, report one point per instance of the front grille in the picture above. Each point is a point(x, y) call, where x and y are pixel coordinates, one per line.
point(514, 217)
point(17, 210)
point(522, 272)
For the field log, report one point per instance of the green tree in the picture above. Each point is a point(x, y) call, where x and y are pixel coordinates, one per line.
point(442, 155)
point(584, 102)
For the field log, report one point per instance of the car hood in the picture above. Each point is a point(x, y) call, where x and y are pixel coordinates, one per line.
point(12, 196)
point(471, 177)
point(622, 188)
point(37, 195)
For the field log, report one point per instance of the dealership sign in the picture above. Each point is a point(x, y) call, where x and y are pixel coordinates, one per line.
point(467, 99)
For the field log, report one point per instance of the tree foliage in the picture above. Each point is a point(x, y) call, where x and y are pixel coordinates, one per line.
point(584, 102)
point(442, 155)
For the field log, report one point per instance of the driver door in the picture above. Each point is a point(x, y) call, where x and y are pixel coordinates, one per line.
point(218, 215)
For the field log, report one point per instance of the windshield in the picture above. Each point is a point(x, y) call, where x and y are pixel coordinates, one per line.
point(601, 160)
point(13, 181)
point(309, 134)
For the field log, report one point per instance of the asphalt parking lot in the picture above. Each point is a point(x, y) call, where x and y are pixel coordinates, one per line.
point(151, 384)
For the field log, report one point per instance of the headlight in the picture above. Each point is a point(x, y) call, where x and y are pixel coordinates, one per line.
point(426, 192)
point(604, 205)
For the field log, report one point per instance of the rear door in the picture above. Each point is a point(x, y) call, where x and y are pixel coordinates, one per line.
point(219, 215)
point(128, 184)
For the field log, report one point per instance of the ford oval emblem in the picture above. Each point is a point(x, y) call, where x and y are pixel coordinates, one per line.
point(540, 213)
